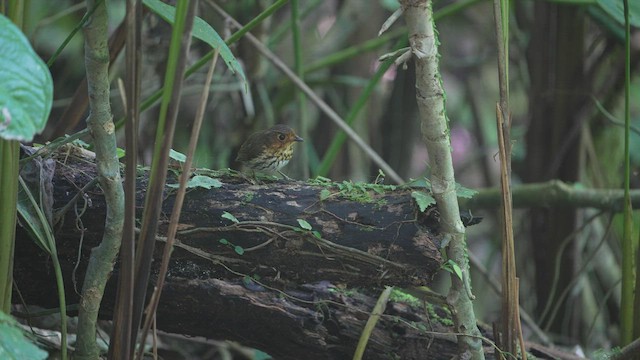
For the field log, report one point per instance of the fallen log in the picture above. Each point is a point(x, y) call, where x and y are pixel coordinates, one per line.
point(270, 264)
point(291, 230)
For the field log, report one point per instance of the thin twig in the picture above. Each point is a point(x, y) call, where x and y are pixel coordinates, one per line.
point(184, 178)
point(179, 199)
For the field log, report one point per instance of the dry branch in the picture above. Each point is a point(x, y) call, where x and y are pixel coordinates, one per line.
point(554, 193)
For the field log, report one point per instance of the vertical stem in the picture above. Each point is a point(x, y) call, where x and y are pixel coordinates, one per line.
point(120, 345)
point(9, 156)
point(174, 221)
point(301, 164)
point(430, 97)
point(628, 318)
point(510, 319)
point(173, 81)
point(102, 129)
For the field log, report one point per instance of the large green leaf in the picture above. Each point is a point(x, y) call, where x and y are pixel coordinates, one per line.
point(201, 30)
point(615, 9)
point(13, 343)
point(26, 88)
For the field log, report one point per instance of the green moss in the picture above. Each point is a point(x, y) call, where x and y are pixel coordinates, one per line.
point(441, 314)
point(359, 191)
point(247, 197)
point(398, 295)
point(380, 203)
point(603, 354)
point(445, 320)
point(343, 291)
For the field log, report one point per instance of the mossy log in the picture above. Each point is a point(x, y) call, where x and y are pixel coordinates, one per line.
point(293, 231)
point(275, 282)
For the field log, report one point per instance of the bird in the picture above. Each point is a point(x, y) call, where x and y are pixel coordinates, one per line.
point(268, 150)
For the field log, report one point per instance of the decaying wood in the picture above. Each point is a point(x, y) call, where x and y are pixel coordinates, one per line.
point(313, 321)
point(358, 236)
point(272, 284)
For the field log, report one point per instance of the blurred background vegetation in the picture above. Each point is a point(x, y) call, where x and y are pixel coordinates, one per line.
point(566, 75)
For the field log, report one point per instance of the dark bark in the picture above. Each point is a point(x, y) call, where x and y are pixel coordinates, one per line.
point(383, 240)
point(318, 320)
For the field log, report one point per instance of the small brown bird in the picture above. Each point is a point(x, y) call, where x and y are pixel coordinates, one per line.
point(268, 150)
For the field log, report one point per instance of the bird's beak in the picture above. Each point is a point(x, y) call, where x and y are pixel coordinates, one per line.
point(298, 138)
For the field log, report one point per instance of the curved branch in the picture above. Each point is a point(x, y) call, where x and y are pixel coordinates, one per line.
point(430, 97)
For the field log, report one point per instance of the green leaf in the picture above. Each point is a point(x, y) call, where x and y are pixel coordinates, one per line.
point(304, 224)
point(348, 185)
point(317, 234)
point(615, 9)
point(260, 355)
point(203, 31)
point(199, 181)
point(229, 216)
point(324, 194)
point(453, 266)
point(26, 88)
point(80, 143)
point(423, 200)
point(177, 156)
point(238, 249)
point(13, 343)
point(320, 180)
point(120, 153)
point(204, 182)
point(224, 241)
point(28, 211)
point(464, 192)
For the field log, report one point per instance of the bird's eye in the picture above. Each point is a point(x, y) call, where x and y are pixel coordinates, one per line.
point(281, 137)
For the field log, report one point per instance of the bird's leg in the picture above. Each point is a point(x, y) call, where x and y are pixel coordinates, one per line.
point(250, 178)
point(254, 178)
point(284, 175)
